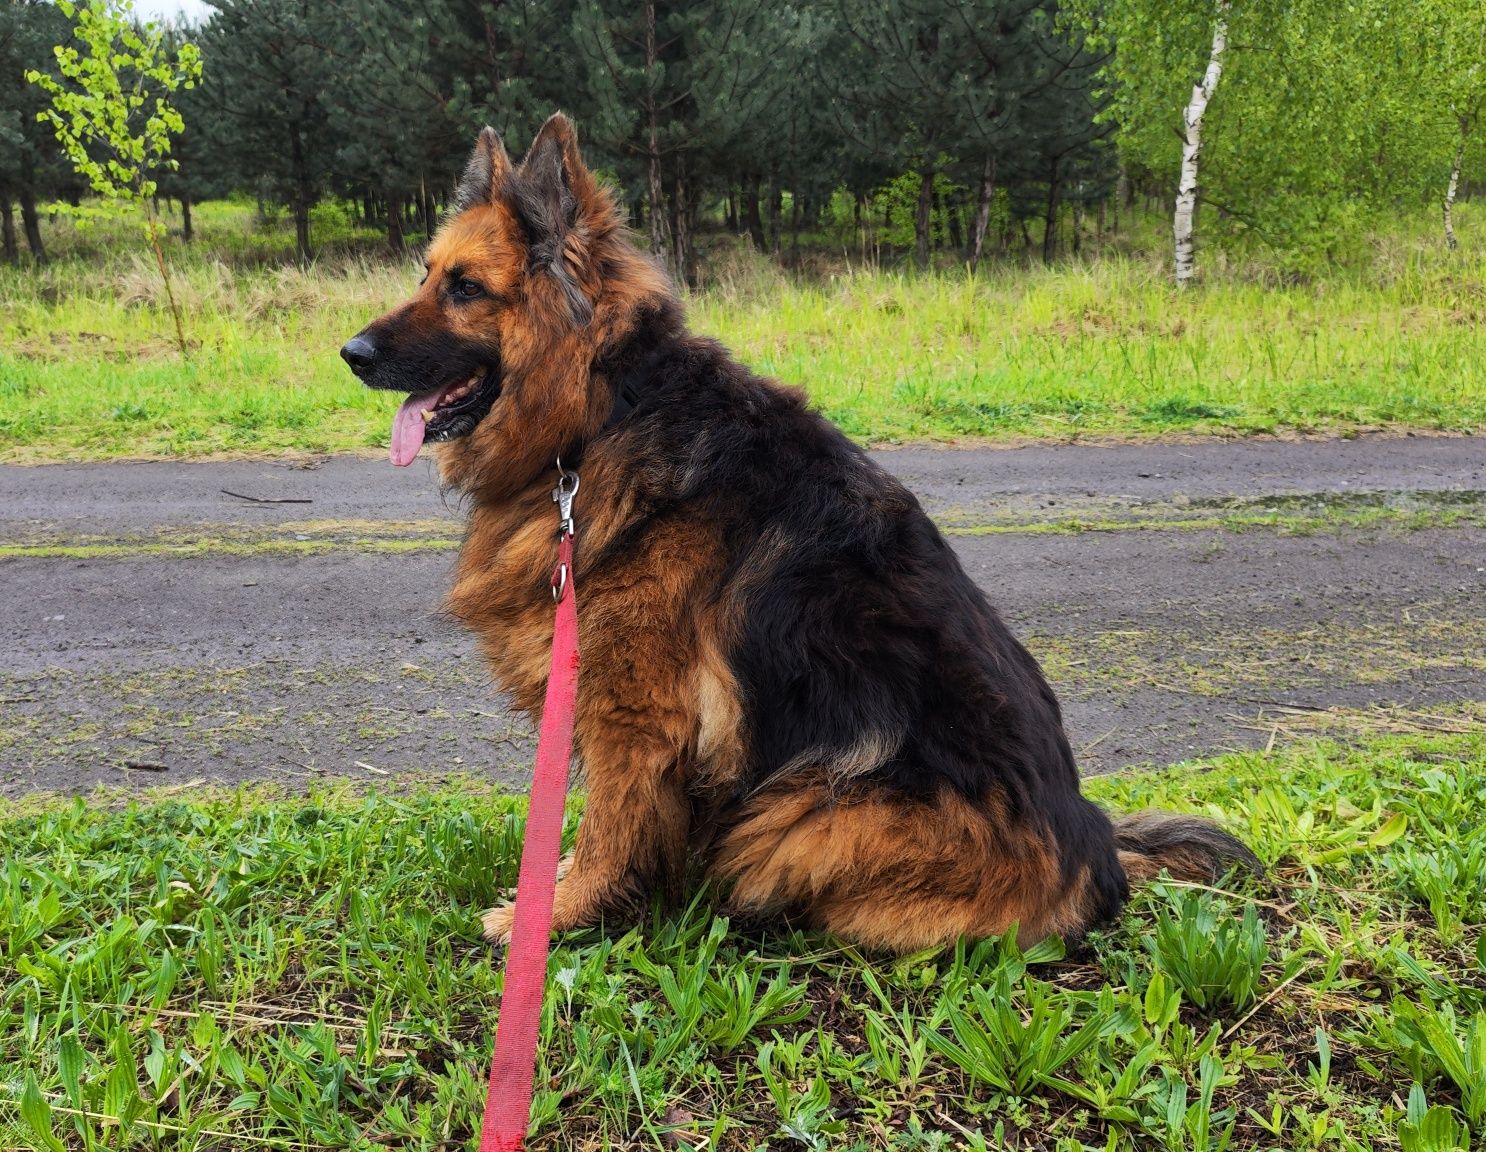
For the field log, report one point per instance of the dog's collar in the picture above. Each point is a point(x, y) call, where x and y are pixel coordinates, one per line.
point(629, 393)
point(629, 390)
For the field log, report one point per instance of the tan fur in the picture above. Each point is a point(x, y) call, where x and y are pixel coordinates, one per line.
point(639, 713)
point(720, 748)
point(841, 765)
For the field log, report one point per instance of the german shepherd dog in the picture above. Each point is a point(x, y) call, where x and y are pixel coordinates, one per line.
point(788, 679)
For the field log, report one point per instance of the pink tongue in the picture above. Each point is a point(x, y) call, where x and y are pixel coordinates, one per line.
point(408, 426)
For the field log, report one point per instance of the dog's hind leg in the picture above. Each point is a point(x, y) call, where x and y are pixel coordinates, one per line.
point(894, 873)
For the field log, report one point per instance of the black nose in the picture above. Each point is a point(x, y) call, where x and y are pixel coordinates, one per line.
point(359, 352)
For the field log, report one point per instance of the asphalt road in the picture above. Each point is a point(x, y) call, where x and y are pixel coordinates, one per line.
point(1185, 599)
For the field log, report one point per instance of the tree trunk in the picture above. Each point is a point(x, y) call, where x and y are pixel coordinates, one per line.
point(187, 232)
point(681, 253)
point(394, 223)
point(8, 247)
point(32, 224)
point(302, 231)
point(301, 197)
point(1186, 191)
point(925, 212)
point(982, 209)
point(657, 190)
point(939, 219)
point(657, 206)
point(751, 218)
point(776, 212)
point(1050, 218)
point(1454, 186)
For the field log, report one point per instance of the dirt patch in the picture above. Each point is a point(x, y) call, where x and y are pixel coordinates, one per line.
point(325, 656)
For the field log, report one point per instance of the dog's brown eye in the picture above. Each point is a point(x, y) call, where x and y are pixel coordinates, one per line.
point(468, 289)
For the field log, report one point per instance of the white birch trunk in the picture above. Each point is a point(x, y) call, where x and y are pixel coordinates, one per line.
point(1449, 208)
point(1186, 192)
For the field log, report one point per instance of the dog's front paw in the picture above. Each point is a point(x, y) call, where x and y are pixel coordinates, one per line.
point(498, 923)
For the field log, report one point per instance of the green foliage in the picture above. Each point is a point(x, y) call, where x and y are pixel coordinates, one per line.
point(1215, 959)
point(1018, 1042)
point(1431, 1129)
point(29, 171)
point(1433, 1044)
point(1442, 869)
point(246, 968)
point(1447, 878)
point(1328, 118)
point(112, 113)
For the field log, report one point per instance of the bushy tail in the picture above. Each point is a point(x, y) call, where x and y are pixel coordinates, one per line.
point(1184, 846)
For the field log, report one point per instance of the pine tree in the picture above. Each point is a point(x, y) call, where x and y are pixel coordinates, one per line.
point(1060, 141)
point(268, 63)
point(30, 167)
point(670, 89)
point(425, 81)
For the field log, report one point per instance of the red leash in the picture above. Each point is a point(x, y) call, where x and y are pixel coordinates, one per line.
point(508, 1100)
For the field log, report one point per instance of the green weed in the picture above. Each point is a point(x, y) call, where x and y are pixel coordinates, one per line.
point(1214, 958)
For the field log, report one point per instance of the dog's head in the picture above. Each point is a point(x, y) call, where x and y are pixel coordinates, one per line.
point(528, 281)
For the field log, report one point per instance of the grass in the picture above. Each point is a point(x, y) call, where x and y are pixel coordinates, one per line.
point(1103, 348)
point(252, 970)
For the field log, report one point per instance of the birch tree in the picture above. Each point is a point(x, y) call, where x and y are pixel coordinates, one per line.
point(1452, 45)
point(1315, 132)
point(1157, 47)
point(1183, 221)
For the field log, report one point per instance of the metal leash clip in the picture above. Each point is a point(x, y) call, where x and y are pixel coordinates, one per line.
point(562, 496)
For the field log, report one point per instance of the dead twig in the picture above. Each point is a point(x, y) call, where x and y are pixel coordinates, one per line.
point(143, 766)
point(269, 499)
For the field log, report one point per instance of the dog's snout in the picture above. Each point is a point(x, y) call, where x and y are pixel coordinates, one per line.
point(359, 353)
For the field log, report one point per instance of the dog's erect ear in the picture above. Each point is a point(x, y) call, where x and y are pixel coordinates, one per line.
point(487, 166)
point(550, 175)
point(549, 197)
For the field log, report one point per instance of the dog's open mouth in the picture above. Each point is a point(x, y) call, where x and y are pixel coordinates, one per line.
point(444, 413)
